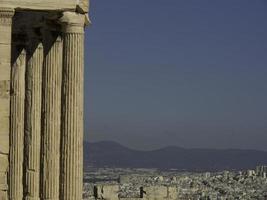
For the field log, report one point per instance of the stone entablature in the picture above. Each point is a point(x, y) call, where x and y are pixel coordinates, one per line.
point(70, 5)
point(41, 99)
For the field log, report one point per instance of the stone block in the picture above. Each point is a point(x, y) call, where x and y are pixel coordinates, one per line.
point(156, 193)
point(4, 143)
point(5, 53)
point(172, 193)
point(4, 128)
point(108, 192)
point(3, 181)
point(83, 6)
point(5, 70)
point(3, 163)
point(3, 195)
point(5, 34)
point(4, 89)
point(4, 108)
point(4, 120)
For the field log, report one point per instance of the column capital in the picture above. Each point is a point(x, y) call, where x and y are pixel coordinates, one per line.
point(6, 15)
point(73, 22)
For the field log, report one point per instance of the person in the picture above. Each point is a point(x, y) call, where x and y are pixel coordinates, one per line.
point(142, 192)
point(95, 192)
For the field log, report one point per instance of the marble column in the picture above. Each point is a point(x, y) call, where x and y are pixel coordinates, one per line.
point(72, 107)
point(51, 111)
point(5, 69)
point(17, 97)
point(33, 118)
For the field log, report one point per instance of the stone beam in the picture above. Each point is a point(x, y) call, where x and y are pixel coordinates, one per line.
point(47, 5)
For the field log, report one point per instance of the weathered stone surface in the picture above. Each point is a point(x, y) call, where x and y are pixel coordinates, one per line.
point(45, 4)
point(51, 112)
point(172, 192)
point(4, 110)
point(3, 195)
point(3, 181)
point(32, 132)
point(4, 128)
point(33, 118)
point(108, 192)
point(40, 4)
point(4, 163)
point(72, 109)
point(17, 124)
point(83, 6)
point(5, 34)
point(4, 89)
point(156, 192)
point(4, 143)
point(5, 52)
point(5, 71)
point(5, 68)
point(3, 176)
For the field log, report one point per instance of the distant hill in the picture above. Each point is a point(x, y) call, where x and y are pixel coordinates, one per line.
point(111, 154)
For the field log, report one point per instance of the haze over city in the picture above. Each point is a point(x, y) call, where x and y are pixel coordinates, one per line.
point(186, 73)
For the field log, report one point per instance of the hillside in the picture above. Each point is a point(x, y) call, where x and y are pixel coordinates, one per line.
point(111, 154)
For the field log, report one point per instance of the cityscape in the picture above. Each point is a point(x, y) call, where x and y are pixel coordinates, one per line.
point(152, 184)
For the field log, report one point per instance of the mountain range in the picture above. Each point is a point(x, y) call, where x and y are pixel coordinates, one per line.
point(111, 154)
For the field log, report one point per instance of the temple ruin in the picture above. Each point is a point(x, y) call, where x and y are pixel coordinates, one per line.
point(41, 98)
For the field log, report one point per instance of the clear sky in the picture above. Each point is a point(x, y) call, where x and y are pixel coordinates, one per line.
point(189, 73)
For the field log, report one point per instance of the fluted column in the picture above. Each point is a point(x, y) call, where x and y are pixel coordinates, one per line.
point(33, 119)
point(51, 109)
point(5, 74)
point(72, 107)
point(17, 98)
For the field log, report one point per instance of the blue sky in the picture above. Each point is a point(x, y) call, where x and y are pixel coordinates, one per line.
point(177, 72)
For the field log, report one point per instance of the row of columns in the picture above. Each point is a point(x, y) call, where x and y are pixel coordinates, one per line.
point(46, 112)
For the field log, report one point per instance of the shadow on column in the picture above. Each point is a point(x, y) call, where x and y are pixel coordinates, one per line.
point(26, 138)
